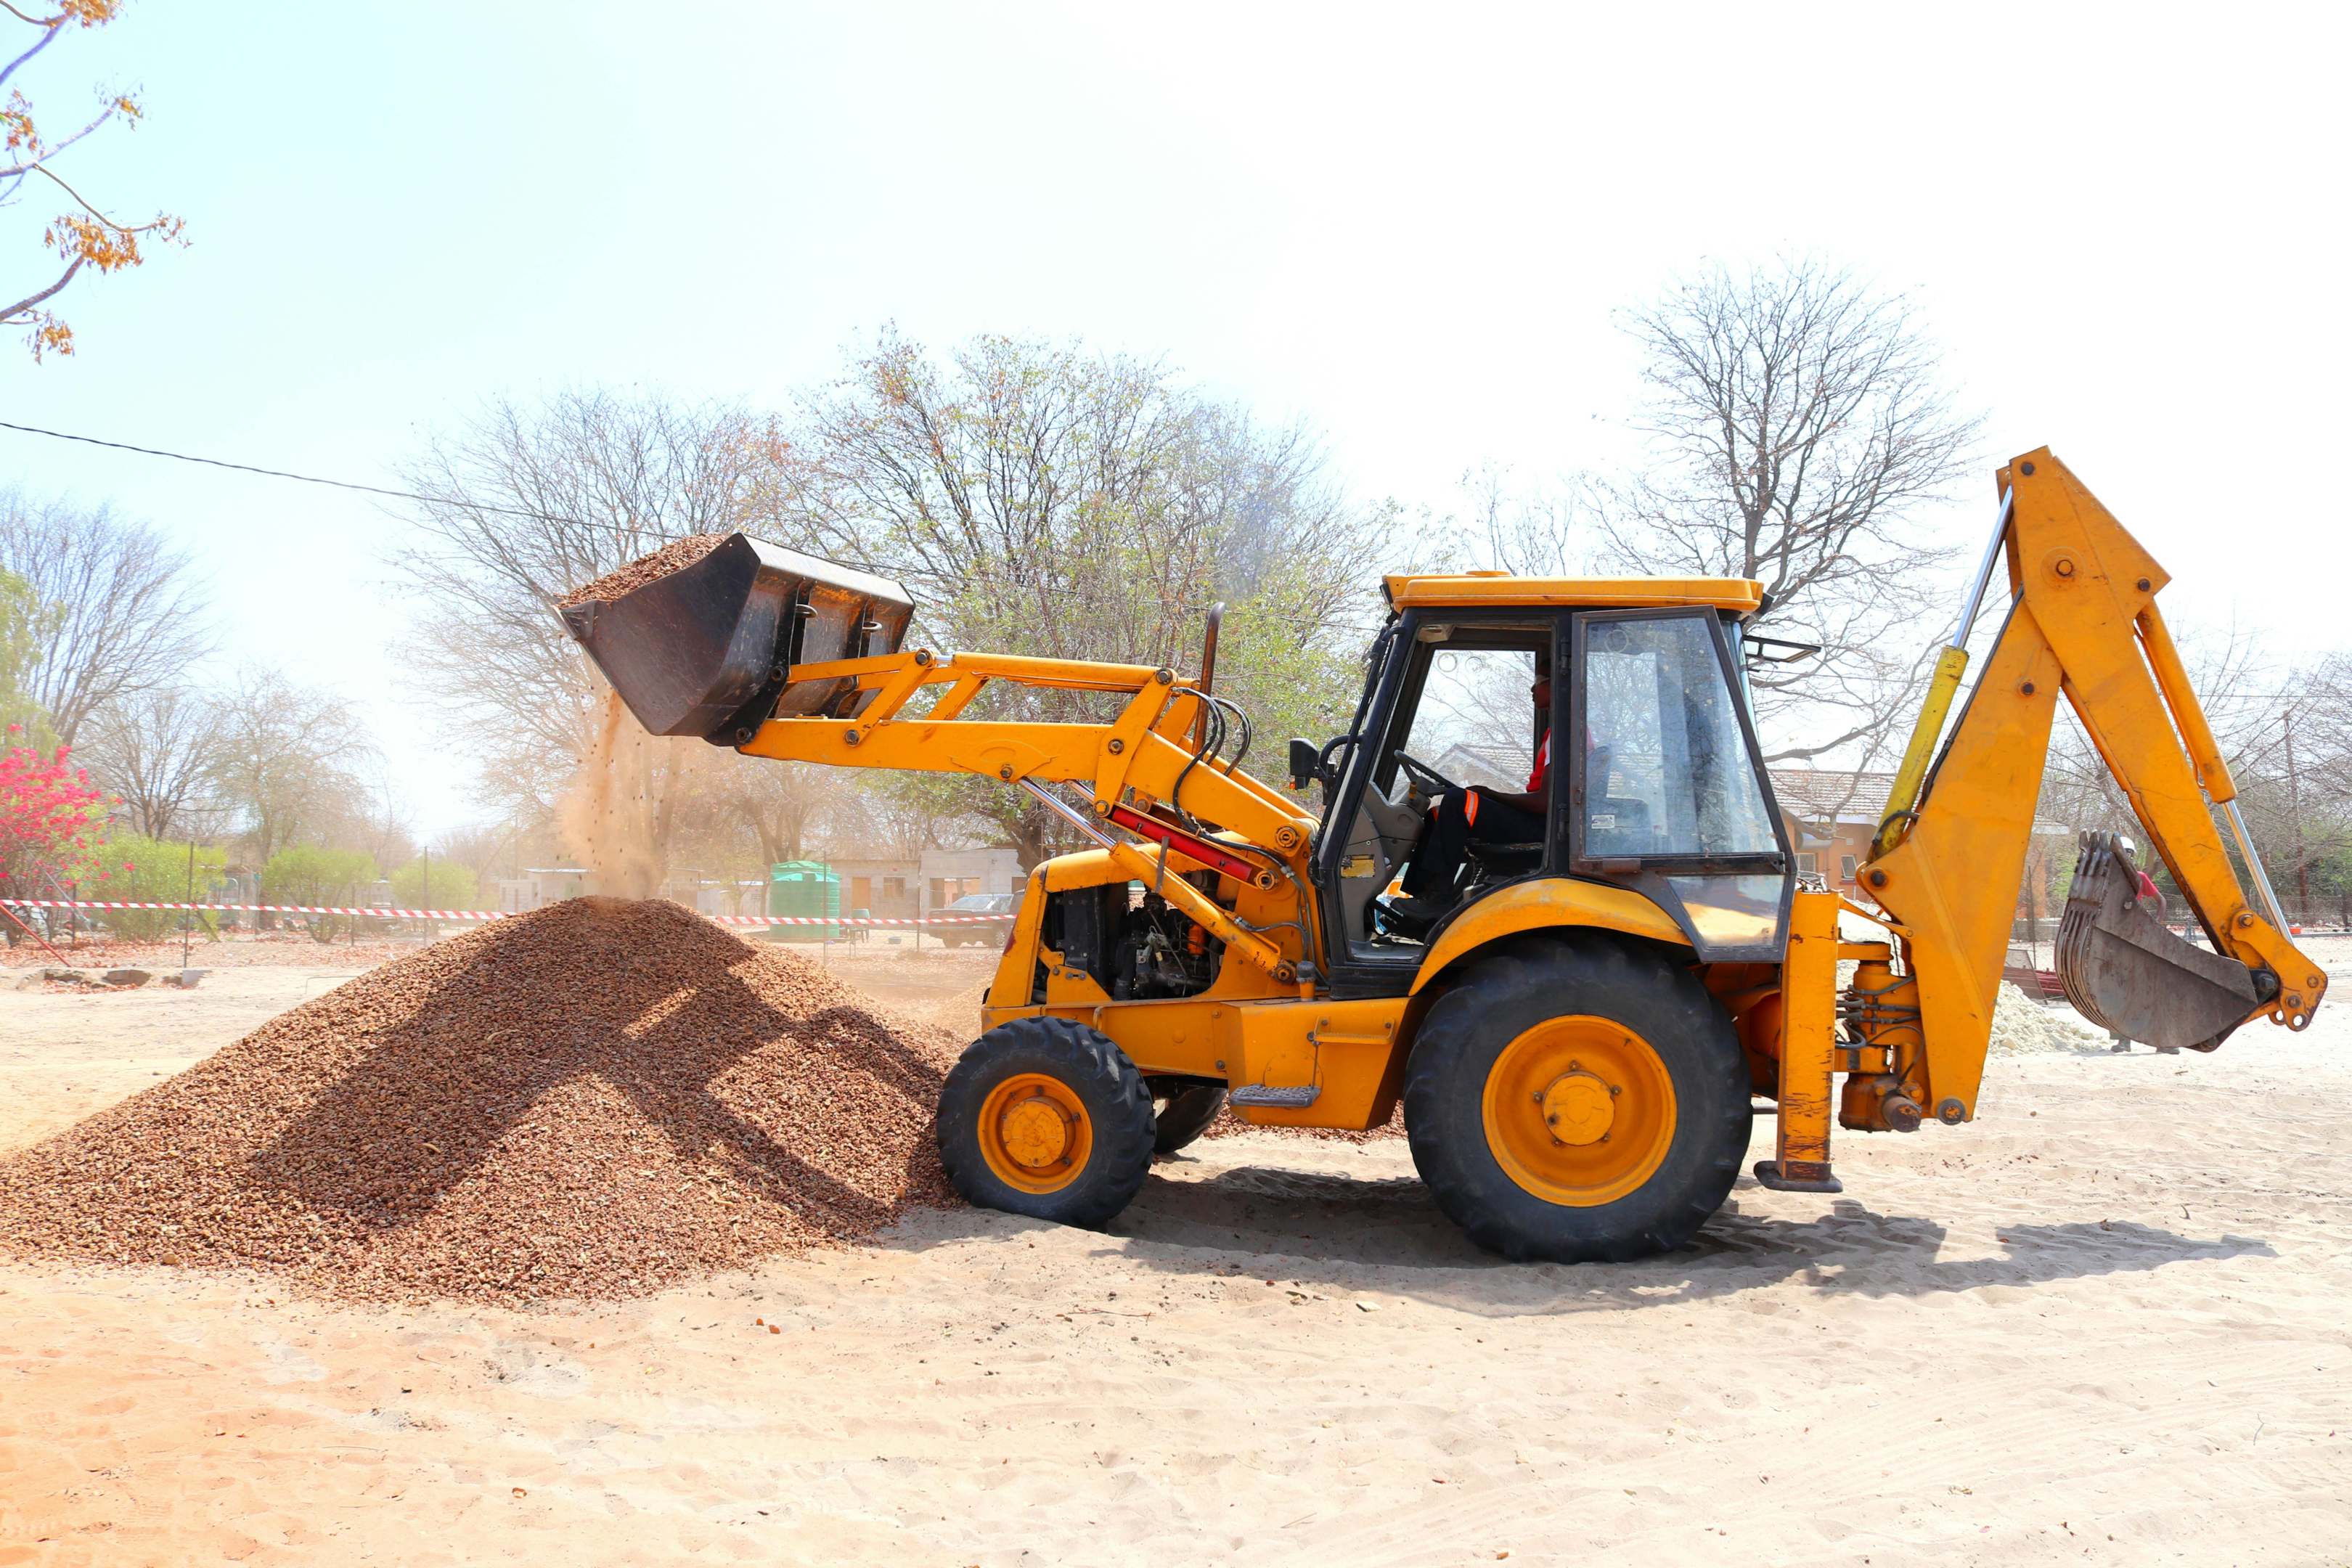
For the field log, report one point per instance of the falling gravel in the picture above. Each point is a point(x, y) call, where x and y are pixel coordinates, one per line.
point(599, 1098)
point(675, 556)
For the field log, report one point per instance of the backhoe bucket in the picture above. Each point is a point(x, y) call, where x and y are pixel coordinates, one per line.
point(2124, 971)
point(706, 649)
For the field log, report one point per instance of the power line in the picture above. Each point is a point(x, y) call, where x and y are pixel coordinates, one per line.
point(282, 474)
point(994, 580)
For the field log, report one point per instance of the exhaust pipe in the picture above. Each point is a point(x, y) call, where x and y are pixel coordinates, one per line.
point(708, 649)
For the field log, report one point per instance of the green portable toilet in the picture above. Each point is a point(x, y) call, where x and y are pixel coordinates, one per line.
point(807, 888)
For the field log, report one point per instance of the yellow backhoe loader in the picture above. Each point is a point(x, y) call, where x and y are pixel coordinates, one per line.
point(1577, 1031)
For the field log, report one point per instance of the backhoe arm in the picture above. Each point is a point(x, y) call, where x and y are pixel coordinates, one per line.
point(2084, 621)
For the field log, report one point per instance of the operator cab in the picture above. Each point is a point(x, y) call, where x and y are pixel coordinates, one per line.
point(1652, 779)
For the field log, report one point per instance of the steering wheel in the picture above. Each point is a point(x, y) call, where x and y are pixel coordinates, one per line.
point(1425, 775)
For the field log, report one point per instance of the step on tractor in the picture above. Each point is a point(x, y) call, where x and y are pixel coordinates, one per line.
point(1582, 1002)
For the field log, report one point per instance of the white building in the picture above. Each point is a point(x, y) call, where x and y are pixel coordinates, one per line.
point(905, 888)
point(542, 886)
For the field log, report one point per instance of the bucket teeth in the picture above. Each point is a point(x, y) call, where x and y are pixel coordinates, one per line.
point(2125, 973)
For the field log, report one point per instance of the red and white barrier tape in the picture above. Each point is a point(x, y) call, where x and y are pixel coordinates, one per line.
point(502, 914)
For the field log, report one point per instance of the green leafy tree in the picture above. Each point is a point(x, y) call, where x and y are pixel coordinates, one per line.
point(452, 886)
point(23, 630)
point(156, 871)
point(2331, 879)
point(307, 874)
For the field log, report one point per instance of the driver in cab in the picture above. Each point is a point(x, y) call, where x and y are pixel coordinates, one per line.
point(1477, 814)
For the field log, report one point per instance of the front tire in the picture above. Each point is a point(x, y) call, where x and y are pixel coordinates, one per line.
point(1047, 1118)
point(1573, 1101)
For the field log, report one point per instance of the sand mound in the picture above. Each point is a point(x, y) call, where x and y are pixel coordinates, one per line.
point(598, 1099)
point(960, 1014)
point(676, 556)
point(2021, 1024)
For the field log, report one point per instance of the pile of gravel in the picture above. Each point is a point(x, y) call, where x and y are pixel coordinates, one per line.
point(675, 556)
point(598, 1099)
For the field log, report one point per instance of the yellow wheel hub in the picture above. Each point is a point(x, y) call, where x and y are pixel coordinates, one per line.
point(1034, 1132)
point(1580, 1110)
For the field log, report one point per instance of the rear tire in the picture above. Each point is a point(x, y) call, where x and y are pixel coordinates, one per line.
point(1186, 1110)
point(1573, 1101)
point(1047, 1118)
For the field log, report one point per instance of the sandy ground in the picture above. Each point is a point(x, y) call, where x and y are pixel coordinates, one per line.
point(2104, 1323)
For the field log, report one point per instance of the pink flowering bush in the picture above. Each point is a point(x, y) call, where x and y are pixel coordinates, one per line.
point(52, 824)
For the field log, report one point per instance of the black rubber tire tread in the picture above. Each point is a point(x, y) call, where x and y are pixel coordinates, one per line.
point(1187, 1115)
point(1118, 1105)
point(1500, 996)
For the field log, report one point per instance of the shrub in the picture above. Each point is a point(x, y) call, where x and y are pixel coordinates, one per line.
point(307, 874)
point(154, 871)
point(453, 886)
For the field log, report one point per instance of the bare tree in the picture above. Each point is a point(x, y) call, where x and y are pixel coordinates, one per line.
point(368, 812)
point(1798, 418)
point(289, 761)
point(774, 807)
point(1045, 500)
point(489, 850)
point(900, 816)
point(1036, 499)
point(121, 612)
point(530, 503)
point(1530, 530)
point(2283, 732)
point(159, 751)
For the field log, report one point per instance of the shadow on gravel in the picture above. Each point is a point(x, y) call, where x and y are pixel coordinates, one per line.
point(645, 1003)
point(1327, 1229)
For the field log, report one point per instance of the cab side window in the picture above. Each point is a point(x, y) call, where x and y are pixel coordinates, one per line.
point(1666, 768)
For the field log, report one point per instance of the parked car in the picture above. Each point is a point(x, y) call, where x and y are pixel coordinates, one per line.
point(992, 934)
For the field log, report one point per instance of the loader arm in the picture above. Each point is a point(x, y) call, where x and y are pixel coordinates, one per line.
point(1138, 766)
point(1948, 866)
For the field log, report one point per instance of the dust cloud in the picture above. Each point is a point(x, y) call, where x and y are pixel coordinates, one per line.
point(617, 819)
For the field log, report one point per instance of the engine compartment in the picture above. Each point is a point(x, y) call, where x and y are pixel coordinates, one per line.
point(1134, 945)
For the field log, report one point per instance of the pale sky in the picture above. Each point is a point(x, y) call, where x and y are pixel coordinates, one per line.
point(1408, 224)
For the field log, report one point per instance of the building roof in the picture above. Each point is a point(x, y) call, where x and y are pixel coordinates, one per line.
point(1501, 590)
point(1497, 767)
point(1822, 794)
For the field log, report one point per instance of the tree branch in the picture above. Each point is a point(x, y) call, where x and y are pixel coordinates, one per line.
point(8, 317)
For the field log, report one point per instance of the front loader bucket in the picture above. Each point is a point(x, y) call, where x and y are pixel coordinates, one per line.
point(2124, 971)
point(705, 650)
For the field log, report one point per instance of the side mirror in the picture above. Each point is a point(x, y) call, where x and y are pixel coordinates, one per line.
point(1305, 764)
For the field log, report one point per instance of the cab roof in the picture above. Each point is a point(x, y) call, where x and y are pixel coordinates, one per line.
point(1498, 590)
